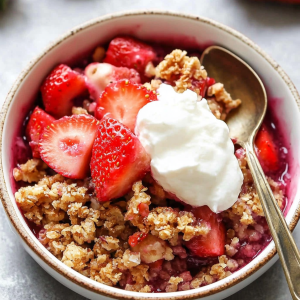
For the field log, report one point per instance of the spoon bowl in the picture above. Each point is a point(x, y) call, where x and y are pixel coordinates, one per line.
point(242, 83)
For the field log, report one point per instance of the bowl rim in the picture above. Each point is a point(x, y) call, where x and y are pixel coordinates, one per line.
point(76, 277)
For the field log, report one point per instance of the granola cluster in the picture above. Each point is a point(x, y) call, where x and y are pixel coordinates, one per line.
point(32, 171)
point(181, 69)
point(184, 72)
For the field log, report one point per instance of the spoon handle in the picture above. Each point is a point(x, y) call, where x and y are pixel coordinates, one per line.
point(285, 244)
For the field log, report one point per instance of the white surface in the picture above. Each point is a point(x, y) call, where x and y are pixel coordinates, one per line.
point(203, 169)
point(27, 27)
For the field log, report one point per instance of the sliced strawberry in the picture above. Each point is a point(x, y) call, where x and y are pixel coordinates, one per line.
point(118, 160)
point(130, 53)
point(137, 237)
point(60, 88)
point(66, 146)
point(266, 150)
point(212, 244)
point(100, 75)
point(37, 122)
point(122, 101)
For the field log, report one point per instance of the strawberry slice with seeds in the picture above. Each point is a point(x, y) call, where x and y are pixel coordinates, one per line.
point(118, 160)
point(130, 53)
point(100, 75)
point(137, 237)
point(212, 244)
point(266, 150)
point(122, 101)
point(38, 120)
point(60, 88)
point(66, 146)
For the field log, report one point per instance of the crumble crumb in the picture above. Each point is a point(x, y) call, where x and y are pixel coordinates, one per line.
point(138, 288)
point(181, 69)
point(77, 213)
point(166, 223)
point(79, 111)
point(48, 200)
point(55, 239)
point(32, 171)
point(208, 275)
point(222, 97)
point(219, 269)
point(215, 107)
point(65, 194)
point(153, 85)
point(131, 259)
point(104, 270)
point(173, 284)
point(152, 249)
point(35, 201)
point(77, 257)
point(113, 222)
point(277, 192)
point(83, 233)
point(106, 245)
point(140, 274)
point(232, 248)
point(133, 215)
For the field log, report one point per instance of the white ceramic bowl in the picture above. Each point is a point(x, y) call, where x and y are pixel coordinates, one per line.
point(159, 26)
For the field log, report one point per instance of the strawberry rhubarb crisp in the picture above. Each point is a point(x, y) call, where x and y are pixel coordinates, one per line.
point(132, 179)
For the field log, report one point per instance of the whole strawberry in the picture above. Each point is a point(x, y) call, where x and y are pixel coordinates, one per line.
point(130, 53)
point(60, 88)
point(118, 160)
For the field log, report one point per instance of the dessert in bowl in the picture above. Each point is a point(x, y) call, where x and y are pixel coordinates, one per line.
point(134, 182)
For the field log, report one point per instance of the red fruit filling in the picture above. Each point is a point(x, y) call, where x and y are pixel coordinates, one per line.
point(267, 150)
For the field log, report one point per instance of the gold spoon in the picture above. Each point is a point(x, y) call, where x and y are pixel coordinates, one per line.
point(243, 83)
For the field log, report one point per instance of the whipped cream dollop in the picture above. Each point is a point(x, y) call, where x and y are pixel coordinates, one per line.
point(191, 153)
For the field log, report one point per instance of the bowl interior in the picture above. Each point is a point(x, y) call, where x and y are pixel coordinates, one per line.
point(166, 28)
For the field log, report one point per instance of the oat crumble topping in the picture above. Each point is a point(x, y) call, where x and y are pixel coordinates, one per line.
point(181, 69)
point(32, 171)
point(93, 237)
point(221, 99)
point(167, 223)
